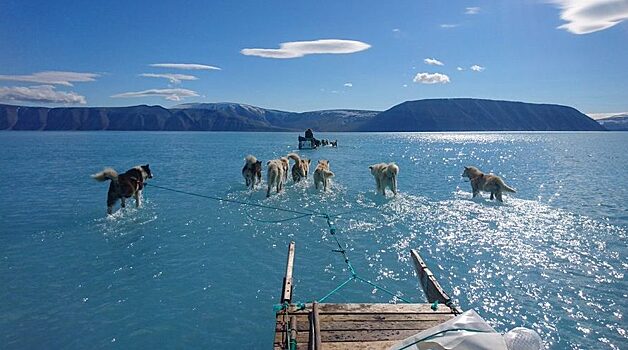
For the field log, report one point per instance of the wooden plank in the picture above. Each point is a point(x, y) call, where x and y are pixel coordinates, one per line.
point(286, 292)
point(370, 325)
point(441, 317)
point(315, 329)
point(372, 309)
point(373, 345)
point(359, 336)
point(432, 289)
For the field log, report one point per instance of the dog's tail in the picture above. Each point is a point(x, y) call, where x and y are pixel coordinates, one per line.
point(294, 157)
point(505, 187)
point(107, 174)
point(250, 160)
point(392, 170)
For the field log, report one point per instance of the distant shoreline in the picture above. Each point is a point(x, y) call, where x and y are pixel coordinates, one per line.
point(429, 115)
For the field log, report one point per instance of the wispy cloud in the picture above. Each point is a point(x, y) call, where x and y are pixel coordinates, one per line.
point(431, 78)
point(53, 78)
point(185, 66)
point(584, 17)
point(168, 94)
point(449, 25)
point(296, 49)
point(433, 62)
point(348, 85)
point(477, 68)
point(459, 69)
point(472, 11)
point(173, 78)
point(598, 116)
point(396, 30)
point(40, 93)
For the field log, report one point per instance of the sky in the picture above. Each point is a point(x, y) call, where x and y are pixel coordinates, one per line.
point(313, 55)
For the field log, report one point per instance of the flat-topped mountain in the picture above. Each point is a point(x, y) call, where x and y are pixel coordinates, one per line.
point(461, 114)
point(467, 114)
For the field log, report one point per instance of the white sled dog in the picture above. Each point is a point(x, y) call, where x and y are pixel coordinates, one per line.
point(385, 176)
point(486, 182)
point(300, 168)
point(277, 174)
point(252, 171)
point(322, 174)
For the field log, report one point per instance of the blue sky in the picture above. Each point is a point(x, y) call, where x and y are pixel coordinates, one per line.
point(373, 54)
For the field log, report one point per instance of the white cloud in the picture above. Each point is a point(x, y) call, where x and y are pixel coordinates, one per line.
point(396, 30)
point(348, 84)
point(477, 68)
point(40, 93)
point(459, 68)
point(597, 116)
point(433, 62)
point(173, 78)
point(185, 66)
point(168, 94)
point(53, 77)
point(472, 11)
point(449, 25)
point(431, 78)
point(590, 16)
point(301, 48)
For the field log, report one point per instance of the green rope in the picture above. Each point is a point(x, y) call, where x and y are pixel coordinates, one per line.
point(336, 289)
point(300, 215)
point(312, 213)
point(354, 275)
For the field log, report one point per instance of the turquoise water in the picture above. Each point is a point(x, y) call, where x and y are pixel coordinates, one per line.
point(188, 272)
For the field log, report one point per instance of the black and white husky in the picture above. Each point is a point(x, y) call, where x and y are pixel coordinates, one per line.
point(123, 186)
point(252, 171)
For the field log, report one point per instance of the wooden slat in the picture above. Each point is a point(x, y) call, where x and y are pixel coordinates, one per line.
point(372, 309)
point(373, 345)
point(359, 336)
point(432, 289)
point(441, 317)
point(370, 325)
point(315, 329)
point(286, 292)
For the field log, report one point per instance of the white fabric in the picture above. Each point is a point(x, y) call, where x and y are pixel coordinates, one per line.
point(479, 336)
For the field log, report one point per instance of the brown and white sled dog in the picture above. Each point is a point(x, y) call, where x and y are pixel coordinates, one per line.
point(322, 174)
point(123, 186)
point(252, 171)
point(487, 183)
point(277, 174)
point(300, 168)
point(385, 176)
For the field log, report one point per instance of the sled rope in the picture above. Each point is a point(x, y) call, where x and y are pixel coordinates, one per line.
point(354, 276)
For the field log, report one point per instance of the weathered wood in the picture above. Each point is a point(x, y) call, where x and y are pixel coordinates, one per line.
point(372, 345)
point(356, 308)
point(370, 325)
point(432, 289)
point(315, 329)
point(441, 317)
point(358, 336)
point(293, 329)
point(286, 292)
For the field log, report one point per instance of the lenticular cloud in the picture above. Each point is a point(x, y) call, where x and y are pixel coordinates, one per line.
point(584, 17)
point(296, 49)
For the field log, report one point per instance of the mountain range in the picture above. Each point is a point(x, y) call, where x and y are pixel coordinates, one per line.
point(618, 122)
point(457, 114)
